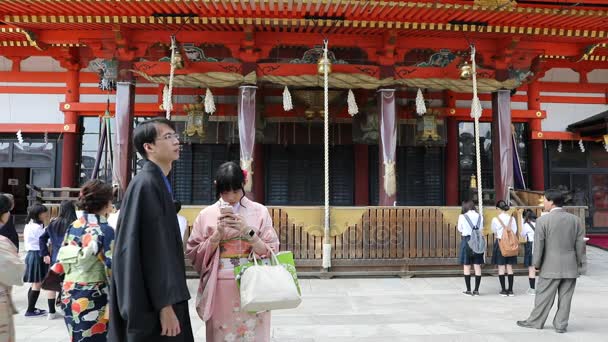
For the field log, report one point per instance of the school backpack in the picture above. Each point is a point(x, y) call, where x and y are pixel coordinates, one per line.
point(477, 242)
point(509, 243)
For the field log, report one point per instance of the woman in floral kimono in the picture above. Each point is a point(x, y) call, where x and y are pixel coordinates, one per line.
point(11, 269)
point(223, 236)
point(85, 258)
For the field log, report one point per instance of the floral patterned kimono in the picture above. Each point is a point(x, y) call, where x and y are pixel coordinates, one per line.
point(11, 269)
point(218, 301)
point(86, 260)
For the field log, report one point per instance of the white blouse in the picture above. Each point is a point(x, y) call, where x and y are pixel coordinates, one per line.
point(497, 227)
point(527, 231)
point(31, 236)
point(463, 225)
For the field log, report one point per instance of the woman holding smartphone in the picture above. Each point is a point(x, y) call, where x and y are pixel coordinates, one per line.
point(223, 236)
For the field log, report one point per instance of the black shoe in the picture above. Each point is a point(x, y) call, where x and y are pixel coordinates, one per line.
point(504, 293)
point(475, 293)
point(510, 294)
point(560, 331)
point(525, 324)
point(467, 293)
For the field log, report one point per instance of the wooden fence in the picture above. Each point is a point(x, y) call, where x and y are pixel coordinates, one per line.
point(388, 240)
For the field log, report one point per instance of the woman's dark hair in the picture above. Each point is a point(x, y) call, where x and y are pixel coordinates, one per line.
point(468, 205)
point(555, 196)
point(529, 215)
point(502, 205)
point(94, 196)
point(33, 213)
point(67, 215)
point(146, 133)
point(229, 177)
point(5, 204)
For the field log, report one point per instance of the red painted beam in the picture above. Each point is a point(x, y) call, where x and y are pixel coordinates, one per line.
point(38, 128)
point(141, 109)
point(547, 135)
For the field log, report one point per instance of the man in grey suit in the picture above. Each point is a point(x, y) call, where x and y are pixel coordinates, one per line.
point(559, 255)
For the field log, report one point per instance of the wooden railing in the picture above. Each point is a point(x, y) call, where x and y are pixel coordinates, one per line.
point(387, 238)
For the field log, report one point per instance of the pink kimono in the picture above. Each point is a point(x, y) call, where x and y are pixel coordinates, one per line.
point(218, 300)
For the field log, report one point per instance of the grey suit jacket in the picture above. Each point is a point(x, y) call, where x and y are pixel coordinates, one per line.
point(559, 245)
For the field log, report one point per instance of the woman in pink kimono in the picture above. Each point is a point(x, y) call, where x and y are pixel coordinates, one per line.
point(223, 236)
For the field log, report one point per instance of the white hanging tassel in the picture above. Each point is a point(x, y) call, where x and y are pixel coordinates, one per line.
point(209, 102)
point(420, 105)
point(390, 181)
point(352, 103)
point(287, 104)
point(46, 137)
point(581, 145)
point(167, 103)
point(246, 166)
point(559, 147)
point(606, 147)
point(20, 137)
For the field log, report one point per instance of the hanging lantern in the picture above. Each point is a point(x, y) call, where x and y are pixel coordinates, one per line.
point(197, 118)
point(108, 73)
point(426, 129)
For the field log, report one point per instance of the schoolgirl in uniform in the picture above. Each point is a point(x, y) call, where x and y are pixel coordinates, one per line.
point(527, 231)
point(467, 257)
point(506, 219)
point(35, 268)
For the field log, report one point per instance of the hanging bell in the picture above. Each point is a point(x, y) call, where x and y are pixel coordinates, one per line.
point(465, 71)
point(322, 64)
point(178, 61)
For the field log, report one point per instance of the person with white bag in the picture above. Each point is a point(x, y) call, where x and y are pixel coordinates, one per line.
point(223, 236)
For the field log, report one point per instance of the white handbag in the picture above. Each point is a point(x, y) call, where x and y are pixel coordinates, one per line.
point(268, 287)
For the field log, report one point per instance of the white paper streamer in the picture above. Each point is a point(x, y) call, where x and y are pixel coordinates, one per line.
point(209, 102)
point(287, 104)
point(20, 137)
point(353, 109)
point(581, 144)
point(559, 147)
point(420, 105)
point(167, 103)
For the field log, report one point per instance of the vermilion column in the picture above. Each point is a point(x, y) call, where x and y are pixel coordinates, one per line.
point(537, 153)
point(69, 161)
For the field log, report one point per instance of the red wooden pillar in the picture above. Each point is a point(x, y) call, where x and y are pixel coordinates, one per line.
point(361, 174)
point(69, 160)
point(537, 153)
point(451, 154)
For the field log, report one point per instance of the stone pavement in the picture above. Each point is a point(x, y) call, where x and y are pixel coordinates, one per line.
point(394, 309)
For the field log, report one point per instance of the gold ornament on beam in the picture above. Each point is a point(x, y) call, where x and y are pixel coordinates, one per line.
point(197, 118)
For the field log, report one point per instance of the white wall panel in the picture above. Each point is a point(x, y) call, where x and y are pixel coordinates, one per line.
point(41, 63)
point(28, 108)
point(598, 76)
point(561, 75)
point(560, 115)
point(5, 64)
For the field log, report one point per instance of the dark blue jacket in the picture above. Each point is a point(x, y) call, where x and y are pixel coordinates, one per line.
point(52, 233)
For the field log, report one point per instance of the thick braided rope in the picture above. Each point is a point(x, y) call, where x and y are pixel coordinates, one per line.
point(327, 260)
point(171, 74)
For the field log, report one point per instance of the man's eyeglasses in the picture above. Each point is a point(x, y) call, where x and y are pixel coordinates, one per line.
point(169, 136)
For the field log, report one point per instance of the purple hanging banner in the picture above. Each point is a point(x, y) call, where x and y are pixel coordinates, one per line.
point(246, 117)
